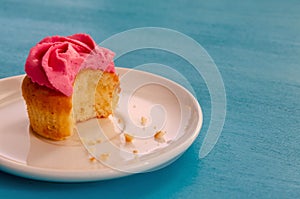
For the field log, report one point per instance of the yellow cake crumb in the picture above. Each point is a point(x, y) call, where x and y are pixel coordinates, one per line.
point(92, 159)
point(104, 156)
point(128, 138)
point(159, 134)
point(135, 151)
point(98, 140)
point(91, 142)
point(143, 121)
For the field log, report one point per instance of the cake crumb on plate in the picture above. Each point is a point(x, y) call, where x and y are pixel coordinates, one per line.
point(135, 151)
point(159, 134)
point(128, 138)
point(104, 156)
point(143, 121)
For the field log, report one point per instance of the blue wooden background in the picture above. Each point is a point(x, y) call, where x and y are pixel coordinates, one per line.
point(256, 46)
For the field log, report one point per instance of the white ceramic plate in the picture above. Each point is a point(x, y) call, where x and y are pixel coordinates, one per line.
point(102, 152)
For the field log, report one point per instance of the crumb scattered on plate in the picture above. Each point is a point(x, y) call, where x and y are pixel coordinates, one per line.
point(104, 156)
point(92, 159)
point(159, 134)
point(128, 138)
point(89, 142)
point(135, 151)
point(98, 140)
point(143, 121)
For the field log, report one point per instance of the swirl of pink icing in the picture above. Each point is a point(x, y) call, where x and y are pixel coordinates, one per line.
point(55, 61)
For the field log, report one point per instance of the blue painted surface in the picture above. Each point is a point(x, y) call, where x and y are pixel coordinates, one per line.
point(256, 46)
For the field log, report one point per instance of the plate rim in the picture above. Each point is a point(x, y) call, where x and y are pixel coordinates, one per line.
point(45, 174)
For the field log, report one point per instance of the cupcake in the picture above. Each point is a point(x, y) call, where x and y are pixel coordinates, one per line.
point(68, 80)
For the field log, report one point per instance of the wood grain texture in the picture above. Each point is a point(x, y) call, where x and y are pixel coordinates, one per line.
point(256, 46)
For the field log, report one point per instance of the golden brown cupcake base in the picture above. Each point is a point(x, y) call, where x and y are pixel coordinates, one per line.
point(54, 115)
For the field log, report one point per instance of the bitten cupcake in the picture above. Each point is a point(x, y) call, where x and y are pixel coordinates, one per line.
point(68, 80)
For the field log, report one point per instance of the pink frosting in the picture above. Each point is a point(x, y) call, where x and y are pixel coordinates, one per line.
point(55, 61)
